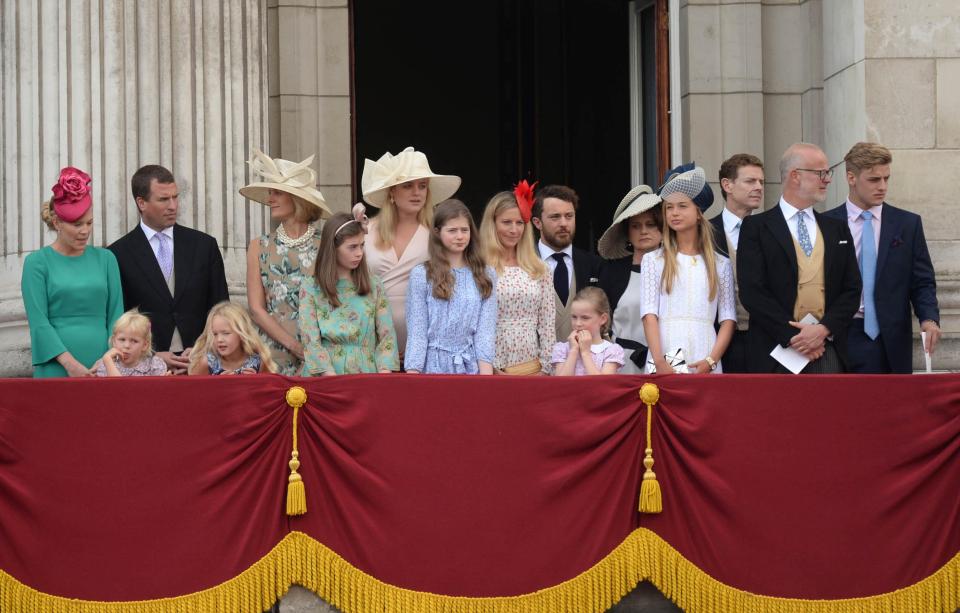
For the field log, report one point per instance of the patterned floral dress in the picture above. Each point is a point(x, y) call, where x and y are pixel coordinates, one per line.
point(526, 319)
point(356, 337)
point(282, 270)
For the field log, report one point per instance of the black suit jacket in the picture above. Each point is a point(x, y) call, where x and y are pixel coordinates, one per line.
point(719, 235)
point(904, 277)
point(199, 282)
point(586, 268)
point(767, 276)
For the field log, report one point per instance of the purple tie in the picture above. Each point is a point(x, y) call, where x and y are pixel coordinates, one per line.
point(164, 257)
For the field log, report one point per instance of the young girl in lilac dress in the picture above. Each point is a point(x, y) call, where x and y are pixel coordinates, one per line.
point(131, 352)
point(451, 300)
point(345, 320)
point(587, 350)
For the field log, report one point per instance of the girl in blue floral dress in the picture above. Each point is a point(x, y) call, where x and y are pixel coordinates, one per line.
point(345, 320)
point(451, 300)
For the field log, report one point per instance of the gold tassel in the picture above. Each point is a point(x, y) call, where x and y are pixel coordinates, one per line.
point(651, 500)
point(296, 493)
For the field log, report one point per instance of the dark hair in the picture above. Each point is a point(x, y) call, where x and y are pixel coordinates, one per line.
point(561, 192)
point(655, 212)
point(143, 178)
point(731, 167)
point(325, 273)
point(438, 266)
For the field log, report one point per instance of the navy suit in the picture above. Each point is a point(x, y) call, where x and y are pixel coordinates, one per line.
point(904, 277)
point(767, 276)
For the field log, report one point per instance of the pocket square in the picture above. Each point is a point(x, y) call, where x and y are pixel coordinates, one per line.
point(843, 242)
point(594, 280)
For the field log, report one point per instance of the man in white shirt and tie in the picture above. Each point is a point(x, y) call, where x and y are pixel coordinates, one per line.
point(793, 262)
point(741, 185)
point(554, 215)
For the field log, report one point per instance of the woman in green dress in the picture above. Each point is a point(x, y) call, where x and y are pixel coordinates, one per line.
point(71, 291)
point(279, 261)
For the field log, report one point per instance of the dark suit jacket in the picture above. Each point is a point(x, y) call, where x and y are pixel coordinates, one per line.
point(199, 282)
point(767, 277)
point(904, 277)
point(586, 268)
point(719, 235)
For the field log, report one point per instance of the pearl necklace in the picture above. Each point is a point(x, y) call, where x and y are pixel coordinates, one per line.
point(295, 242)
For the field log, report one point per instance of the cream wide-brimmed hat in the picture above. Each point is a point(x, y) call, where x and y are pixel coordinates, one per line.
point(613, 243)
point(408, 165)
point(297, 179)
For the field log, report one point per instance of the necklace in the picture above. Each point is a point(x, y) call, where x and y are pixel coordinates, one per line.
point(295, 242)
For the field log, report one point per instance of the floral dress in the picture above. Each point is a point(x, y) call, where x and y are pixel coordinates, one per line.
point(356, 337)
point(526, 318)
point(282, 269)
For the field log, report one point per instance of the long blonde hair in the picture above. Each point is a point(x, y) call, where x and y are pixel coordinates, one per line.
point(704, 243)
point(438, 266)
point(239, 321)
point(492, 248)
point(387, 218)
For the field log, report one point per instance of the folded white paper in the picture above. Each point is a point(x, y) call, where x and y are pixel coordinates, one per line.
point(790, 358)
point(926, 356)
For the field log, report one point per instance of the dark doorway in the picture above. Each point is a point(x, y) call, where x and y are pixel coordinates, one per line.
point(499, 91)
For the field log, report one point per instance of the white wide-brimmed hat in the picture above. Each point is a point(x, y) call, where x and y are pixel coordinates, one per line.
point(408, 165)
point(295, 178)
point(613, 243)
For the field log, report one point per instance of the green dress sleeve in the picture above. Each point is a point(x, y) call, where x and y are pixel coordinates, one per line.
point(316, 360)
point(387, 357)
point(45, 343)
point(114, 290)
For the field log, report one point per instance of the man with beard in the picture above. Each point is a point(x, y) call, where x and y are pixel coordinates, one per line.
point(793, 262)
point(895, 266)
point(555, 216)
point(741, 185)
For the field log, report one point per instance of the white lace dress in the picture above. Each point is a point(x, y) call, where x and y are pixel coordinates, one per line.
point(687, 315)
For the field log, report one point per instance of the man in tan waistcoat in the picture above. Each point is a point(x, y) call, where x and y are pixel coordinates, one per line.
point(793, 262)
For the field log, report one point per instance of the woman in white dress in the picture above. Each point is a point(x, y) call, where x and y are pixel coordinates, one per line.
point(526, 316)
point(405, 190)
point(686, 285)
point(635, 231)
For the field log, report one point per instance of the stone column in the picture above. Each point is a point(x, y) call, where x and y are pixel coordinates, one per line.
point(309, 80)
point(721, 81)
point(109, 86)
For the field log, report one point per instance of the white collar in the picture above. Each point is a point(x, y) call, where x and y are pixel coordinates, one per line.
point(729, 220)
point(546, 251)
point(853, 211)
point(150, 232)
point(790, 211)
point(600, 347)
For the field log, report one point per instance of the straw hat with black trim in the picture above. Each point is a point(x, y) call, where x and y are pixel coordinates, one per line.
point(613, 243)
point(408, 165)
point(295, 178)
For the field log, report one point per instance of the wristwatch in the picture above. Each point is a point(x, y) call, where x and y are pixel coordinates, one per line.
point(711, 362)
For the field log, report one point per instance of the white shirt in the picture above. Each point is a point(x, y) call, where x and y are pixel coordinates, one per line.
point(546, 252)
point(790, 215)
point(731, 227)
point(154, 240)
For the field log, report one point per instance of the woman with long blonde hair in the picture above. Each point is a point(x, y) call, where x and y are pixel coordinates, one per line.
point(526, 328)
point(687, 286)
point(405, 190)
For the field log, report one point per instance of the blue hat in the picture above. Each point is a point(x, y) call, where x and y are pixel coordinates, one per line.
point(691, 181)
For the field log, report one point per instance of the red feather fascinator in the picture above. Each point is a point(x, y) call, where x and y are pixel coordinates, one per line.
point(523, 191)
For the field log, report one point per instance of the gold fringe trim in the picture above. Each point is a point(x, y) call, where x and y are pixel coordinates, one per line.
point(643, 555)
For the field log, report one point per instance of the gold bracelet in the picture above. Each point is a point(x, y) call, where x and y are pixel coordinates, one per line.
point(711, 362)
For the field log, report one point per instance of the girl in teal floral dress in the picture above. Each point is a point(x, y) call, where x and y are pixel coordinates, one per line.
point(345, 322)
